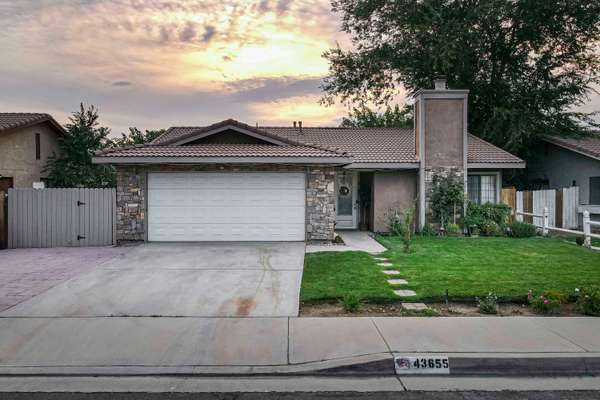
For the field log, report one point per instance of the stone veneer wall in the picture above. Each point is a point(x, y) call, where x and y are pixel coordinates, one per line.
point(131, 196)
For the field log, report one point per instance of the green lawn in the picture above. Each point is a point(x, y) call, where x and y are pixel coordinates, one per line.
point(467, 267)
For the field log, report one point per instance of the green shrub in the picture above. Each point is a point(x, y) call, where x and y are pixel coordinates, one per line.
point(395, 223)
point(588, 301)
point(447, 197)
point(485, 214)
point(490, 228)
point(548, 302)
point(580, 240)
point(350, 302)
point(453, 229)
point(520, 229)
point(488, 304)
point(428, 230)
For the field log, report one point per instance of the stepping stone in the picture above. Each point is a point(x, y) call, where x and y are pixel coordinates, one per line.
point(385, 264)
point(415, 306)
point(405, 293)
point(381, 259)
point(397, 281)
point(391, 272)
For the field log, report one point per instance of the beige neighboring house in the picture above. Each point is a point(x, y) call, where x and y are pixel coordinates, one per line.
point(233, 182)
point(26, 142)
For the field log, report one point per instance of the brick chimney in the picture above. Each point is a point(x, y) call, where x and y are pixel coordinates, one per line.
point(440, 136)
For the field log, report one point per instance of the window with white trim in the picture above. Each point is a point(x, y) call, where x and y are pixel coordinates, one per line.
point(481, 189)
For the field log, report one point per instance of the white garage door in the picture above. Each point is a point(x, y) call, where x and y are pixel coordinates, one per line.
point(226, 206)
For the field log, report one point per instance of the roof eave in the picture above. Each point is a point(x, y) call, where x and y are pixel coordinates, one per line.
point(497, 165)
point(220, 160)
point(382, 165)
point(572, 148)
point(61, 131)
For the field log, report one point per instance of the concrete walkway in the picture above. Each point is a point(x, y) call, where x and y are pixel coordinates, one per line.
point(353, 241)
point(125, 345)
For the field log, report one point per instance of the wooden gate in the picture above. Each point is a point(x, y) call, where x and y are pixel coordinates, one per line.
point(61, 217)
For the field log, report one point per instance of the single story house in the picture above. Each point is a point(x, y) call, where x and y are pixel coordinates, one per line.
point(234, 182)
point(564, 162)
point(26, 142)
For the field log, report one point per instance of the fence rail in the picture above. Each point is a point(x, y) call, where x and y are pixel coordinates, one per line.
point(545, 227)
point(60, 217)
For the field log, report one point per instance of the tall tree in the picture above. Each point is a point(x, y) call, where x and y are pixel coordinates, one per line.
point(528, 63)
point(73, 167)
point(135, 136)
point(364, 117)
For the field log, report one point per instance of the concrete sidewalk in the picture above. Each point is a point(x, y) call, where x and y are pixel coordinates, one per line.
point(143, 345)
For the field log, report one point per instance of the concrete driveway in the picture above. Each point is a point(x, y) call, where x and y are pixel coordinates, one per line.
point(187, 279)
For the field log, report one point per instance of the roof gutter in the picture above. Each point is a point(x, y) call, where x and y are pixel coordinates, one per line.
point(221, 160)
point(484, 165)
point(382, 165)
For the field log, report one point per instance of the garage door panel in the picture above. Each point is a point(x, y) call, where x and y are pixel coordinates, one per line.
point(224, 215)
point(230, 232)
point(226, 206)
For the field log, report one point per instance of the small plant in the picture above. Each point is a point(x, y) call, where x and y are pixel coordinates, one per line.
point(395, 223)
point(519, 229)
point(588, 301)
point(428, 230)
point(453, 230)
point(350, 302)
point(579, 240)
point(548, 302)
point(490, 228)
point(488, 304)
point(408, 227)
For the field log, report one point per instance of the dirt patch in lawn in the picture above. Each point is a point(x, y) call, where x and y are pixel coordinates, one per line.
point(436, 309)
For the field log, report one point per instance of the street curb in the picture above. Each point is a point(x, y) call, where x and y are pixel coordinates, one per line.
point(382, 364)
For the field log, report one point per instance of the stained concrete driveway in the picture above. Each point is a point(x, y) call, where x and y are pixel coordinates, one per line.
point(188, 279)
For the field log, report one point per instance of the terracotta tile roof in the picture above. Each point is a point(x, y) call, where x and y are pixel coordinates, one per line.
point(220, 150)
point(9, 121)
point(480, 151)
point(376, 145)
point(589, 146)
point(363, 145)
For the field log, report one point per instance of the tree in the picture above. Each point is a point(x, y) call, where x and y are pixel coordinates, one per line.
point(447, 197)
point(364, 117)
point(73, 166)
point(135, 136)
point(527, 63)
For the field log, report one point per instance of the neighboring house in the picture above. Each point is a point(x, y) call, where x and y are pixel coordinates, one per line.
point(564, 162)
point(231, 181)
point(26, 142)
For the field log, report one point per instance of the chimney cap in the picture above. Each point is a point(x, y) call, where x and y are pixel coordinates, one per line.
point(440, 82)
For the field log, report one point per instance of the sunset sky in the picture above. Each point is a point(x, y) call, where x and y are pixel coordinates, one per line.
point(153, 63)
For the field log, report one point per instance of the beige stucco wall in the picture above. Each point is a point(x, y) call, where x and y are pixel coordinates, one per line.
point(444, 133)
point(395, 189)
point(17, 154)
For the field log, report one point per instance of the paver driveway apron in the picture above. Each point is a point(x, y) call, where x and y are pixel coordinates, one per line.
point(182, 279)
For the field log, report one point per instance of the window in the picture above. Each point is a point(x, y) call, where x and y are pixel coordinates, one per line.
point(481, 189)
point(38, 149)
point(595, 190)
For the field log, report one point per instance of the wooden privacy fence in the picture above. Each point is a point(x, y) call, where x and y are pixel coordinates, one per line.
point(61, 217)
point(562, 206)
point(3, 220)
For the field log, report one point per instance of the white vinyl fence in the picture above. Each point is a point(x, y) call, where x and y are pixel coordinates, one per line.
point(61, 217)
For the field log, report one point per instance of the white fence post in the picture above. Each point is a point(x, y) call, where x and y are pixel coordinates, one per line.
point(545, 221)
point(587, 230)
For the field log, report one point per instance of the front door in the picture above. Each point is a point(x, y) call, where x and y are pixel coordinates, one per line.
point(346, 200)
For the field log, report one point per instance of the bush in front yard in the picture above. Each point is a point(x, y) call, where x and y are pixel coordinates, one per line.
point(548, 302)
point(453, 230)
point(350, 302)
point(490, 228)
point(488, 304)
point(519, 229)
point(485, 216)
point(588, 301)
